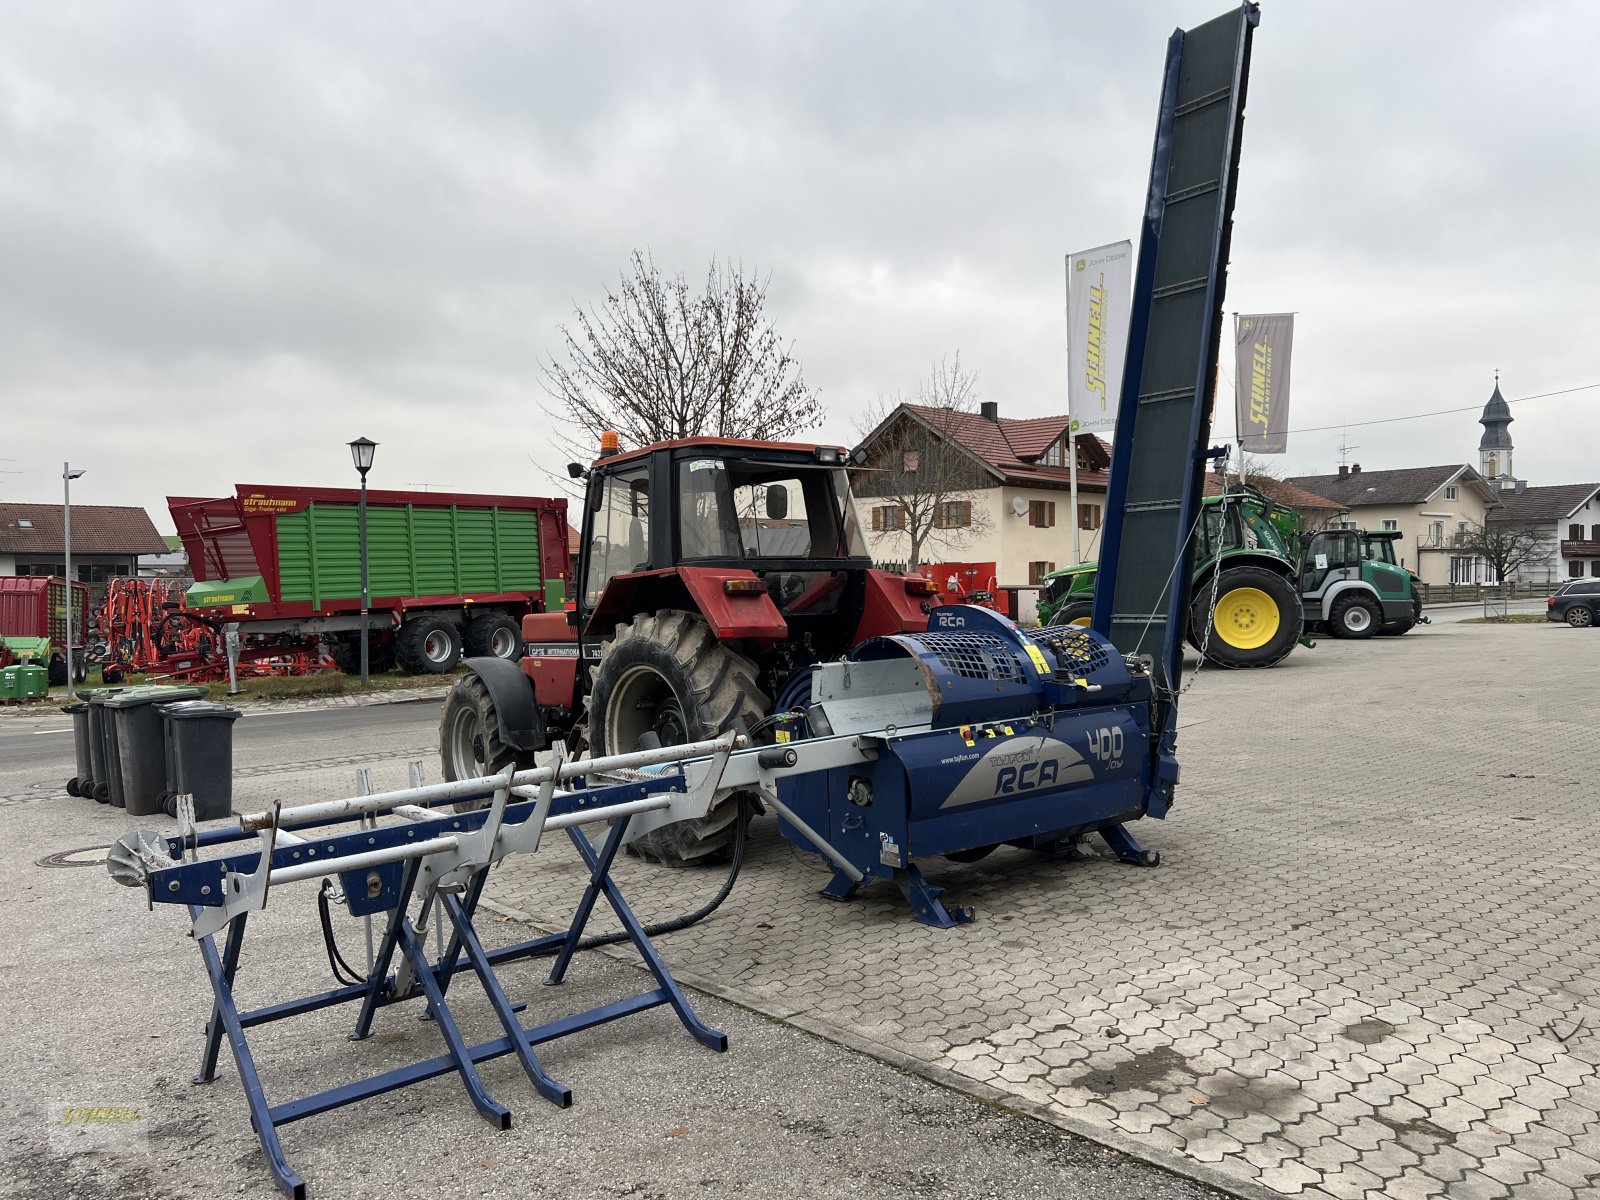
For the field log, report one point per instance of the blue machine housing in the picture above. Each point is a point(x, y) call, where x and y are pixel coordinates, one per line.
point(1031, 739)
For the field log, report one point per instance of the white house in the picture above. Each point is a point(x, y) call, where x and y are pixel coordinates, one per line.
point(1568, 515)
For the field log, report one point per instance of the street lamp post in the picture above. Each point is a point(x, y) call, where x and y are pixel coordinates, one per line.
point(68, 474)
point(361, 451)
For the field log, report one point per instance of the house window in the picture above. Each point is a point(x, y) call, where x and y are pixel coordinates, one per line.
point(1088, 516)
point(952, 514)
point(1452, 492)
point(1575, 570)
point(1594, 568)
point(1038, 570)
point(1042, 513)
point(1056, 456)
point(888, 518)
point(1438, 533)
point(1460, 570)
point(1390, 523)
point(1575, 533)
point(1595, 534)
point(24, 523)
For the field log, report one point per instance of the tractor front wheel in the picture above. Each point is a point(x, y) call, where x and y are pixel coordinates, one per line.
point(667, 674)
point(1354, 616)
point(1256, 622)
point(470, 745)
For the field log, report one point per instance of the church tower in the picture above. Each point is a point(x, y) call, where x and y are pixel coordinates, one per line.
point(1494, 448)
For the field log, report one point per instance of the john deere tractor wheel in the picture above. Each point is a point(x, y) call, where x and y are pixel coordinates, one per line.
point(667, 674)
point(1354, 615)
point(1257, 620)
point(470, 746)
point(1077, 613)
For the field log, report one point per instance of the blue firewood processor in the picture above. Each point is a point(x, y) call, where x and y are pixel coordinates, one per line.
point(944, 741)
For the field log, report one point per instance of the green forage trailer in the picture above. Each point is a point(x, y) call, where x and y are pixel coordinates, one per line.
point(448, 572)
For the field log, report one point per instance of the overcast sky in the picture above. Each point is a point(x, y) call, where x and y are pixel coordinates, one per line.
point(235, 236)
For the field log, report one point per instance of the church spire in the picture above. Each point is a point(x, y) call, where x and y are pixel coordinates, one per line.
point(1494, 448)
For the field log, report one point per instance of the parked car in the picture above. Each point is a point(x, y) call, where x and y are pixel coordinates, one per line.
point(1577, 603)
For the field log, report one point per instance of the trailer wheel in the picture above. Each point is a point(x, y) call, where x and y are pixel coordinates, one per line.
point(494, 635)
point(57, 672)
point(469, 736)
point(1354, 616)
point(428, 646)
point(667, 674)
point(1257, 620)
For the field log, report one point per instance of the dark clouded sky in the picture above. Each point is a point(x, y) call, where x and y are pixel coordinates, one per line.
point(235, 236)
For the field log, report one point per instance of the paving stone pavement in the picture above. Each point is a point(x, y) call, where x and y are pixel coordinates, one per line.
point(1367, 966)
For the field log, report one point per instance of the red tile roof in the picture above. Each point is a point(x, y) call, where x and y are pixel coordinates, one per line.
point(96, 529)
point(1010, 447)
point(1276, 490)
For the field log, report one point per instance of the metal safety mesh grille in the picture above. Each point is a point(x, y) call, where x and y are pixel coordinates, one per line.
point(974, 655)
point(1075, 651)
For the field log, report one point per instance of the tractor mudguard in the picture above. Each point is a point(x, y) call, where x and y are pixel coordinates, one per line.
point(512, 692)
point(890, 606)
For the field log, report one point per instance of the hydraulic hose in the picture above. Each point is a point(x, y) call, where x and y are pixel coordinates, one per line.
point(345, 974)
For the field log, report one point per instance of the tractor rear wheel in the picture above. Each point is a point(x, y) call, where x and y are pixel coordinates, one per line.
point(667, 674)
point(1257, 620)
point(470, 745)
point(1354, 615)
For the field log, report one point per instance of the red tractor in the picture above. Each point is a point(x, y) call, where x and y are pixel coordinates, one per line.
point(712, 575)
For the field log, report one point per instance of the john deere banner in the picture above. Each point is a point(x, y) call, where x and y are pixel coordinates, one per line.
point(1099, 290)
point(1263, 343)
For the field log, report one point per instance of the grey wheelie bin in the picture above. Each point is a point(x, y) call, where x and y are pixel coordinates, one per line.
point(79, 713)
point(136, 745)
point(96, 785)
point(199, 739)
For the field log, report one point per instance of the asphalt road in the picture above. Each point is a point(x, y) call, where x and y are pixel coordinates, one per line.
point(32, 742)
point(108, 1001)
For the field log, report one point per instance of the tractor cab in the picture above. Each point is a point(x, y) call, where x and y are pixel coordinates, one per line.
point(1367, 555)
point(761, 538)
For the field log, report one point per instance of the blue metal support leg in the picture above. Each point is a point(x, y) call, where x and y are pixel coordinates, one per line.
point(214, 1030)
point(492, 1111)
point(379, 978)
point(1126, 848)
point(925, 903)
point(557, 1093)
point(600, 881)
point(227, 1014)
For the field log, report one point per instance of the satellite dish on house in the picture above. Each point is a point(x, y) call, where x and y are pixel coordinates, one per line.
point(1019, 506)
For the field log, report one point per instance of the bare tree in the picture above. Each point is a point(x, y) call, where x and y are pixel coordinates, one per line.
point(915, 462)
point(659, 360)
point(1507, 546)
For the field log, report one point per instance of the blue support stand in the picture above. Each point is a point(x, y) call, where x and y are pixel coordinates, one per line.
point(919, 893)
point(432, 981)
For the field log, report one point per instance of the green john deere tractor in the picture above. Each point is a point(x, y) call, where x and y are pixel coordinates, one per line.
point(1259, 585)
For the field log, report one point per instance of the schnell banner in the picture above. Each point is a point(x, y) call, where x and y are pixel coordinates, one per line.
point(1099, 292)
point(1263, 343)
